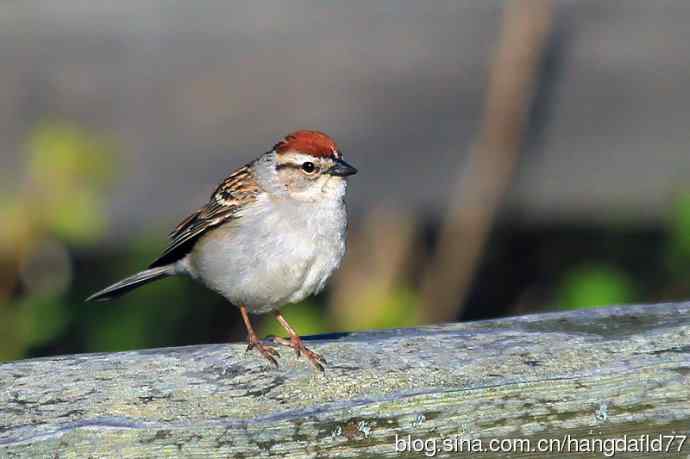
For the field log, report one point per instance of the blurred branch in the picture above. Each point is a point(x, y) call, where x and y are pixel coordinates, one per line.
point(512, 79)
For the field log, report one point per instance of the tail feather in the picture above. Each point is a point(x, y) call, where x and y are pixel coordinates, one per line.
point(130, 283)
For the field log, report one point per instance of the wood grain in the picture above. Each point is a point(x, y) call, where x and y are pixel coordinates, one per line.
point(595, 373)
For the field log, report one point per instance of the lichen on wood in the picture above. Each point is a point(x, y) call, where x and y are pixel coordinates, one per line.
point(595, 373)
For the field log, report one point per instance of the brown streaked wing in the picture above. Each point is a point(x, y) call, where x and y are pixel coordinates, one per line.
point(236, 191)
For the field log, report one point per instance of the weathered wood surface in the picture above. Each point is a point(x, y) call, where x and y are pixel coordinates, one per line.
point(597, 373)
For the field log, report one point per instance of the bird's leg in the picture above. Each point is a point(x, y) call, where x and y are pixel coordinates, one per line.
point(297, 344)
point(254, 342)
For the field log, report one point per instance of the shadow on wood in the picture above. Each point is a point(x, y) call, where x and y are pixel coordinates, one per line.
point(591, 374)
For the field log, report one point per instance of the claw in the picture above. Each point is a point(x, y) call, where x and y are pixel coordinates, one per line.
point(296, 343)
point(286, 343)
point(315, 359)
point(267, 351)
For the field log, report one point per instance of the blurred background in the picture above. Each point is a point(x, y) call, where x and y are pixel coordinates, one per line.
point(515, 157)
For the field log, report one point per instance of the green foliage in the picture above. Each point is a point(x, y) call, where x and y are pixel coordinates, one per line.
point(678, 252)
point(384, 309)
point(41, 318)
point(398, 309)
point(68, 170)
point(62, 152)
point(595, 285)
point(145, 318)
point(61, 200)
point(81, 218)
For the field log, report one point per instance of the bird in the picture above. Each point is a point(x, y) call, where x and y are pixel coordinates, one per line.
point(272, 233)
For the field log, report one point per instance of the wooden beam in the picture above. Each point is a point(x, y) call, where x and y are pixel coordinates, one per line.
point(590, 374)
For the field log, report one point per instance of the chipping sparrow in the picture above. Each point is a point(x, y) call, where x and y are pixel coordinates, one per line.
point(272, 233)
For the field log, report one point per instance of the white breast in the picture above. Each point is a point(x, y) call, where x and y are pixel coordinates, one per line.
point(277, 252)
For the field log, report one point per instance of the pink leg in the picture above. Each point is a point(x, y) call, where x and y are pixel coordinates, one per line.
point(267, 351)
point(297, 344)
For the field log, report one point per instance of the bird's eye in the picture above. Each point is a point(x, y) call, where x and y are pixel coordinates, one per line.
point(308, 167)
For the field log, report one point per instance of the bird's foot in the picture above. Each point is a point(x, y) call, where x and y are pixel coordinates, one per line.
point(267, 351)
point(296, 343)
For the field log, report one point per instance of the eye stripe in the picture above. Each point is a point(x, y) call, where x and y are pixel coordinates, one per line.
point(288, 166)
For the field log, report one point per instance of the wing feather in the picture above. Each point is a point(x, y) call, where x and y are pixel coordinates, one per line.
point(238, 190)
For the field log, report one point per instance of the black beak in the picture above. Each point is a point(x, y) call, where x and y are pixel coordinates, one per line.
point(342, 169)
